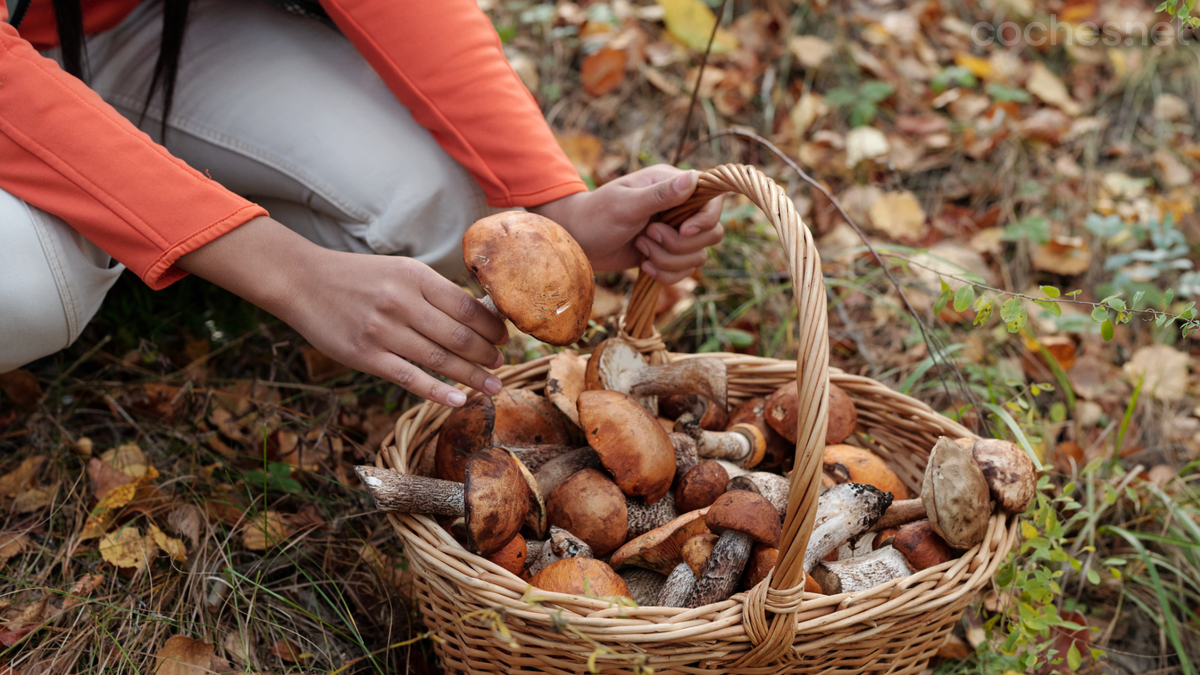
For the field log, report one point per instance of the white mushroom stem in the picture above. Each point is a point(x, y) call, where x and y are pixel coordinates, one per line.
point(770, 485)
point(733, 470)
point(723, 569)
point(733, 446)
point(843, 511)
point(861, 573)
point(408, 493)
point(644, 585)
point(677, 587)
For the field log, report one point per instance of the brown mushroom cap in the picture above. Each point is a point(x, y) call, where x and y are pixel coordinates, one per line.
point(843, 416)
point(956, 495)
point(631, 444)
point(467, 429)
point(697, 549)
point(1009, 473)
point(536, 274)
point(700, 486)
point(591, 507)
point(580, 576)
point(512, 417)
point(565, 381)
point(780, 453)
point(783, 411)
point(745, 512)
point(496, 500)
point(512, 557)
point(762, 560)
point(660, 549)
point(711, 416)
point(865, 467)
point(921, 546)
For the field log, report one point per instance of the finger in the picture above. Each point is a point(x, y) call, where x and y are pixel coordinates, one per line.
point(662, 277)
point(662, 195)
point(648, 176)
point(671, 240)
point(664, 261)
point(422, 351)
point(463, 309)
point(443, 330)
point(704, 219)
point(411, 378)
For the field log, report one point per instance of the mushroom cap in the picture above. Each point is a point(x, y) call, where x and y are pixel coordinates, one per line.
point(580, 576)
point(467, 429)
point(496, 500)
point(512, 417)
point(512, 556)
point(762, 560)
point(865, 467)
point(630, 442)
point(783, 411)
point(537, 275)
point(745, 512)
point(565, 381)
point(591, 507)
point(661, 549)
point(956, 495)
point(697, 549)
point(701, 486)
point(920, 545)
point(843, 416)
point(610, 365)
point(711, 416)
point(1009, 473)
point(780, 453)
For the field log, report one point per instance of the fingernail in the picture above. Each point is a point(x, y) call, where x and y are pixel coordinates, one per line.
point(643, 247)
point(499, 361)
point(492, 386)
point(456, 398)
point(683, 183)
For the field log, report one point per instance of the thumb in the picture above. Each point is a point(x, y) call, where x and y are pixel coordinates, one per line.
point(668, 193)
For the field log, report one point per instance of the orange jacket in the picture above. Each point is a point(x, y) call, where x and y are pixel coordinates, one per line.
point(67, 152)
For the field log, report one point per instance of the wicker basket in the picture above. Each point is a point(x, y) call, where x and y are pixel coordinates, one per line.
point(774, 628)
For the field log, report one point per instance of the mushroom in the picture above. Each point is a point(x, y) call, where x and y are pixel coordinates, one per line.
point(535, 520)
point(661, 549)
point(1008, 471)
point(493, 500)
point(678, 586)
point(697, 549)
point(516, 418)
point(783, 413)
point(580, 576)
point(843, 511)
point(512, 557)
point(780, 453)
point(762, 560)
point(901, 512)
point(564, 382)
point(712, 417)
point(557, 470)
point(591, 506)
point(632, 447)
point(561, 544)
point(956, 495)
point(643, 517)
point(535, 274)
point(919, 544)
point(740, 518)
point(848, 463)
point(700, 486)
point(770, 485)
point(644, 585)
point(742, 444)
point(861, 573)
point(616, 365)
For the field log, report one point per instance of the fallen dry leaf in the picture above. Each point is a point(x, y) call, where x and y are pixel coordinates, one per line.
point(691, 22)
point(954, 648)
point(127, 548)
point(583, 149)
point(603, 71)
point(22, 387)
point(810, 50)
point(285, 650)
point(1068, 256)
point(1169, 108)
point(525, 68)
point(388, 569)
point(1174, 172)
point(182, 655)
point(171, 545)
point(607, 303)
point(321, 368)
point(83, 588)
point(21, 478)
point(809, 109)
point(981, 68)
point(238, 645)
point(35, 499)
point(128, 459)
point(1165, 369)
point(899, 215)
point(264, 530)
point(188, 520)
point(13, 544)
point(1045, 85)
point(865, 143)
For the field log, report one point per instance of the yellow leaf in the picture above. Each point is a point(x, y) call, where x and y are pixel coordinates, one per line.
point(116, 498)
point(35, 499)
point(1045, 85)
point(265, 530)
point(691, 22)
point(899, 215)
point(127, 548)
point(128, 459)
point(21, 478)
point(980, 68)
point(11, 544)
point(1028, 530)
point(171, 545)
point(182, 655)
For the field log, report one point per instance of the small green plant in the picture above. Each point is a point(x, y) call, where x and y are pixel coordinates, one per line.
point(1153, 253)
point(276, 478)
point(863, 101)
point(956, 75)
point(1182, 11)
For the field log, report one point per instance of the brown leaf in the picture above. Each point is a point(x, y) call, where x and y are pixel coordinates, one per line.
point(1068, 256)
point(128, 459)
point(1173, 172)
point(82, 589)
point(264, 530)
point(182, 655)
point(899, 215)
point(188, 520)
point(22, 478)
point(127, 548)
point(321, 368)
point(583, 149)
point(923, 125)
point(691, 22)
point(13, 544)
point(285, 650)
point(1165, 369)
point(954, 648)
point(9, 638)
point(1045, 85)
point(104, 478)
point(603, 71)
point(22, 387)
point(35, 499)
point(810, 50)
point(171, 545)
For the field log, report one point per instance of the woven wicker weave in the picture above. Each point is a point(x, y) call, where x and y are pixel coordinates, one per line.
point(774, 628)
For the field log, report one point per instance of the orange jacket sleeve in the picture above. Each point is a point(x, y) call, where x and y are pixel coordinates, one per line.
point(66, 151)
point(444, 61)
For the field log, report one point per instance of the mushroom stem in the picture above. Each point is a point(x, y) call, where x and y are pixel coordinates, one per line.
point(723, 569)
point(743, 444)
point(677, 588)
point(490, 304)
point(861, 573)
point(901, 512)
point(770, 485)
point(643, 517)
point(843, 511)
point(644, 585)
point(704, 375)
point(561, 544)
point(406, 493)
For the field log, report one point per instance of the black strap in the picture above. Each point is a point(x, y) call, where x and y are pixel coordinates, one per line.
point(19, 13)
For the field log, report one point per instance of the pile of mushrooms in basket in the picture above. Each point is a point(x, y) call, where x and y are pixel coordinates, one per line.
point(637, 480)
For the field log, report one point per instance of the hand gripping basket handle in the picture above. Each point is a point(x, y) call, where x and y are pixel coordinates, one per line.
point(812, 361)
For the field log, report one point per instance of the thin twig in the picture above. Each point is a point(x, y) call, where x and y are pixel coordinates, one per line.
point(937, 351)
point(687, 118)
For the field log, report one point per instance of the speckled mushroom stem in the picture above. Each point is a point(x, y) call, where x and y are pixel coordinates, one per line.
point(407, 493)
point(705, 376)
point(561, 544)
point(644, 585)
point(677, 587)
point(723, 569)
point(643, 518)
point(844, 511)
point(861, 573)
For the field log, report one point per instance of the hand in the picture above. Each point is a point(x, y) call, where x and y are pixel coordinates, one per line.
point(612, 224)
point(382, 315)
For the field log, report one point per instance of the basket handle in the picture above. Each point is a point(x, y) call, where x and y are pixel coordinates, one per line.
point(812, 362)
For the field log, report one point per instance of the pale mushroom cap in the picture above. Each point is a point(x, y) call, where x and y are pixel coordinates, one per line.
point(536, 274)
point(956, 495)
point(696, 551)
point(590, 506)
point(630, 442)
point(1009, 473)
point(580, 576)
point(497, 500)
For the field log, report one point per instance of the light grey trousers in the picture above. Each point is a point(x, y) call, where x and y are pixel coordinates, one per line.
point(278, 108)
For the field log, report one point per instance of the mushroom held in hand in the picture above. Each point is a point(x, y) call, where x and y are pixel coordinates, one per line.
point(534, 272)
point(741, 518)
point(493, 501)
